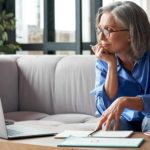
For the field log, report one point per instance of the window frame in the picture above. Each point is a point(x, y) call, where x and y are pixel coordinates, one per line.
point(51, 47)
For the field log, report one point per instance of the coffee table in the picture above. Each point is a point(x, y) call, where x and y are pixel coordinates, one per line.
point(50, 143)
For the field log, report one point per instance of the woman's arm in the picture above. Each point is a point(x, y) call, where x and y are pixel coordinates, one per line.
point(111, 82)
point(115, 110)
point(134, 103)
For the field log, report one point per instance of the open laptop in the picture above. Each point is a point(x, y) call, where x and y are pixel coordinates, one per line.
point(18, 131)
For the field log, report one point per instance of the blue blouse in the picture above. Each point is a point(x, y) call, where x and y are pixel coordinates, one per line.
point(135, 83)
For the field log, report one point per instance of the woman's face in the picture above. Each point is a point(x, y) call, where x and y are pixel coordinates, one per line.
point(115, 42)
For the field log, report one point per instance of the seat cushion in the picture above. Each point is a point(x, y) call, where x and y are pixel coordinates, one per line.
point(70, 118)
point(24, 115)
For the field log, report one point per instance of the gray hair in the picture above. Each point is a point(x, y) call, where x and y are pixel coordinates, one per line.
point(134, 18)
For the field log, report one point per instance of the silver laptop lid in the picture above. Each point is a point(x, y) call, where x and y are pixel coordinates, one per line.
point(3, 131)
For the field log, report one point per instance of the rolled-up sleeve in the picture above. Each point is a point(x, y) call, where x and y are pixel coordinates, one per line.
point(146, 102)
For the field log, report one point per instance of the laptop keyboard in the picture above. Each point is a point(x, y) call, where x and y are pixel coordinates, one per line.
point(11, 132)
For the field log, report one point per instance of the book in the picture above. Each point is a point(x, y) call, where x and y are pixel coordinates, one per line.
point(101, 142)
point(100, 133)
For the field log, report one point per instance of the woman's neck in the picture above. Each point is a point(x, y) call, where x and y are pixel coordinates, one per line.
point(127, 62)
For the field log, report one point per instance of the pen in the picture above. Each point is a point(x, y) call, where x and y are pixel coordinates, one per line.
point(92, 132)
point(103, 128)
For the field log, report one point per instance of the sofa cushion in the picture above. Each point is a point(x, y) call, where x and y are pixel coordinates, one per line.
point(24, 115)
point(70, 118)
point(9, 83)
point(76, 126)
point(36, 82)
point(74, 79)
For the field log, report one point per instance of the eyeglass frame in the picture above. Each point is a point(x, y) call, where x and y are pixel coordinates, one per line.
point(101, 30)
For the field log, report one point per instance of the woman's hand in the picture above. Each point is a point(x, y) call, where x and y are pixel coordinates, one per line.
point(112, 113)
point(103, 54)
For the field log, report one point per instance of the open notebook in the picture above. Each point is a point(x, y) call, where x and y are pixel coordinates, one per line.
point(100, 133)
point(100, 142)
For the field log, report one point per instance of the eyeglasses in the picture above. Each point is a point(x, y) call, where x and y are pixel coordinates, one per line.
point(107, 32)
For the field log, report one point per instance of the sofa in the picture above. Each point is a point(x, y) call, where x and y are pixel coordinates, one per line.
point(49, 89)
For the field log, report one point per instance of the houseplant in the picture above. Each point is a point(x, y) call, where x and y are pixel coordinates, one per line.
point(7, 24)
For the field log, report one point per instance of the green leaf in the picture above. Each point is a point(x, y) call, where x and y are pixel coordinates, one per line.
point(1, 28)
point(7, 23)
point(4, 36)
point(1, 43)
point(3, 13)
point(9, 15)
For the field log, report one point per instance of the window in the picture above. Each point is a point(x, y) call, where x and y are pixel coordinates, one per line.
point(52, 25)
point(29, 21)
point(86, 22)
point(64, 20)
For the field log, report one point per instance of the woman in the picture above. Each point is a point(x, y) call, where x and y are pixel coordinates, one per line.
point(122, 88)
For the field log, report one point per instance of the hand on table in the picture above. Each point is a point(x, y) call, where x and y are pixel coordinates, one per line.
point(112, 113)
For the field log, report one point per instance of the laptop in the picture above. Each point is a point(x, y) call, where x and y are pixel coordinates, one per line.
point(14, 131)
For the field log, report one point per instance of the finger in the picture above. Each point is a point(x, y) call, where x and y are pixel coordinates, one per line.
point(108, 122)
point(93, 48)
point(100, 52)
point(99, 126)
point(100, 123)
point(116, 124)
point(104, 126)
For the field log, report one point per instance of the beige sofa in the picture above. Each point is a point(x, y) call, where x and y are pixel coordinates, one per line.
point(49, 89)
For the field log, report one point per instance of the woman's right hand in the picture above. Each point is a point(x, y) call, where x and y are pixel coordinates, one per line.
point(103, 54)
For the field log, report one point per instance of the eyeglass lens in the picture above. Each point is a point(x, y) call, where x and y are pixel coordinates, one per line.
point(104, 31)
